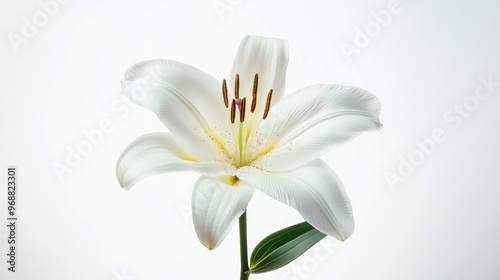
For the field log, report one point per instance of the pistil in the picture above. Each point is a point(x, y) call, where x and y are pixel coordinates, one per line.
point(240, 132)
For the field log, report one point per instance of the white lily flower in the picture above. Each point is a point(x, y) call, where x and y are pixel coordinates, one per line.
point(243, 134)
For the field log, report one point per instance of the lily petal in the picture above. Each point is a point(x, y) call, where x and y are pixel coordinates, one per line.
point(216, 207)
point(310, 122)
point(267, 57)
point(188, 101)
point(313, 189)
point(158, 153)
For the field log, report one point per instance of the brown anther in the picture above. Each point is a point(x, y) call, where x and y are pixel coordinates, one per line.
point(254, 92)
point(237, 87)
point(233, 110)
point(268, 104)
point(242, 109)
point(224, 93)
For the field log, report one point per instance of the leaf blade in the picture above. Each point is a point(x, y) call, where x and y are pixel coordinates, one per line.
point(283, 246)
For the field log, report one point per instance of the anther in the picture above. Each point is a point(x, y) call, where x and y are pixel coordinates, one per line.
point(237, 87)
point(254, 92)
point(233, 110)
point(242, 109)
point(268, 104)
point(224, 93)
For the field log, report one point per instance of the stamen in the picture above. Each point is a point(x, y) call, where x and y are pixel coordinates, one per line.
point(224, 93)
point(254, 92)
point(242, 109)
point(233, 110)
point(237, 87)
point(268, 104)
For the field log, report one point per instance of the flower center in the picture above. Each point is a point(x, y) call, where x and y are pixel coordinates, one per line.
point(242, 130)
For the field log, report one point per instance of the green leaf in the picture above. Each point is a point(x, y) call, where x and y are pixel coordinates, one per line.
point(284, 246)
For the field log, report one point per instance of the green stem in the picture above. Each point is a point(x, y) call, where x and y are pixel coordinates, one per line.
point(243, 247)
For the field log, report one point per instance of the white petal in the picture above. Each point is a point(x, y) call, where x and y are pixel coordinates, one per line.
point(216, 207)
point(158, 153)
point(310, 122)
point(267, 57)
point(187, 100)
point(313, 189)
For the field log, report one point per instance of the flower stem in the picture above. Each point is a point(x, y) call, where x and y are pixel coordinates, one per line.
point(243, 246)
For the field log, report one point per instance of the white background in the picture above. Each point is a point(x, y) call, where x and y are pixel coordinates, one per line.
point(439, 222)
